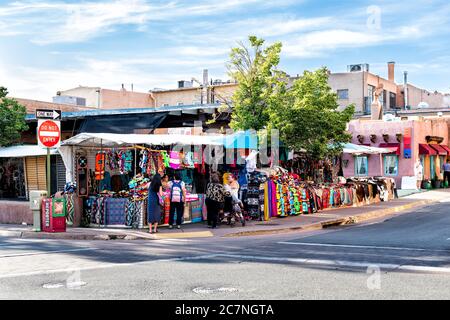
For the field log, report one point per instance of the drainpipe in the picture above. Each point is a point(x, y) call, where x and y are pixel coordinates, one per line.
point(405, 88)
point(98, 98)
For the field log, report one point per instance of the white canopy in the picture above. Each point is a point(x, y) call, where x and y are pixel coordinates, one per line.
point(108, 140)
point(356, 149)
point(24, 151)
point(114, 140)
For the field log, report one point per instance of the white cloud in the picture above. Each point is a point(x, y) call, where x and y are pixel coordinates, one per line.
point(144, 72)
point(61, 22)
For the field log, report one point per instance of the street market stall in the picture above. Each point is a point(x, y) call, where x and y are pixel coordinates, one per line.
point(112, 172)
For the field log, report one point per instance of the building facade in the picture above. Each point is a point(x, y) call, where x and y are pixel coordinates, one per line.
point(410, 140)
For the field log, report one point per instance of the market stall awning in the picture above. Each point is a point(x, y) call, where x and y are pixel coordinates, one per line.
point(112, 140)
point(440, 150)
point(425, 149)
point(121, 124)
point(241, 140)
point(394, 147)
point(24, 151)
point(446, 148)
point(356, 149)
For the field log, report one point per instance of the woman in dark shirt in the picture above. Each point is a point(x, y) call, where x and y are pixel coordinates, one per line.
point(214, 199)
point(154, 207)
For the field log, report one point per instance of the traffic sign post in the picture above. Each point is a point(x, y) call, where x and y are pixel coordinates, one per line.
point(49, 136)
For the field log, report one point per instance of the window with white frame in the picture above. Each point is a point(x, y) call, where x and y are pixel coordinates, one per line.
point(390, 165)
point(361, 166)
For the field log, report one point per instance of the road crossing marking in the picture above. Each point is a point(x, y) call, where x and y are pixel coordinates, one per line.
point(357, 246)
point(342, 263)
point(106, 266)
point(22, 254)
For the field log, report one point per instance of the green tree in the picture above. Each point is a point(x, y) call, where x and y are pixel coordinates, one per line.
point(258, 80)
point(309, 119)
point(12, 119)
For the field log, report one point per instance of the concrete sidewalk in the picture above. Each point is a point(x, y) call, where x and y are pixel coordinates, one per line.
point(323, 219)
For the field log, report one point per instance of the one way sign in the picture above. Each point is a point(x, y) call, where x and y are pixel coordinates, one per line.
point(48, 114)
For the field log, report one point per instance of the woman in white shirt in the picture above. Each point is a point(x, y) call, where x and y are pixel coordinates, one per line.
point(418, 170)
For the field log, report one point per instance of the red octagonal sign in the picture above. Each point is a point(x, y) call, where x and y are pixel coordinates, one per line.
point(49, 133)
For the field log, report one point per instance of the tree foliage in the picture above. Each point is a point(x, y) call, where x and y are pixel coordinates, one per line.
point(309, 118)
point(255, 71)
point(12, 119)
point(306, 112)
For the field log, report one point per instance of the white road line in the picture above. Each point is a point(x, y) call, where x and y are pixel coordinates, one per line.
point(105, 266)
point(45, 252)
point(342, 263)
point(357, 247)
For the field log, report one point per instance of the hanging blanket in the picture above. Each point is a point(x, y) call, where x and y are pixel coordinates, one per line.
point(115, 211)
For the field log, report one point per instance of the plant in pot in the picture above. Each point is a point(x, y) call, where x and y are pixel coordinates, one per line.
point(426, 184)
point(436, 183)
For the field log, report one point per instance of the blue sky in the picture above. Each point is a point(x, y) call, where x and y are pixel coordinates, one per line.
point(47, 46)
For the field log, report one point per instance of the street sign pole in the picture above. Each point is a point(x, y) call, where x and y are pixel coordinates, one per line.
point(48, 174)
point(49, 136)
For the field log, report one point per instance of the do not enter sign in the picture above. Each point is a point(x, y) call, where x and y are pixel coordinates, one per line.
point(49, 133)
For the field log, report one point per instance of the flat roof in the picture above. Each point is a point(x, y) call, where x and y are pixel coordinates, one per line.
point(110, 112)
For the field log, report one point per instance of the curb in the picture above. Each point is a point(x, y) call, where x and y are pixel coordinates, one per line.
point(347, 220)
point(8, 233)
point(106, 237)
point(374, 214)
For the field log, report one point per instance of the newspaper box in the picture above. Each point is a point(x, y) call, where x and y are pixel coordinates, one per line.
point(54, 215)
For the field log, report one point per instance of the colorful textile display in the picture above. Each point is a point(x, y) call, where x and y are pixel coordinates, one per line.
point(288, 195)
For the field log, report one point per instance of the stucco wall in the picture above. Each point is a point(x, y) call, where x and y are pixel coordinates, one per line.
point(15, 212)
point(173, 97)
point(112, 99)
point(354, 82)
point(419, 131)
point(417, 95)
point(89, 93)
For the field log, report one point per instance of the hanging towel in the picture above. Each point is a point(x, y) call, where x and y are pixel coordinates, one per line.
point(175, 160)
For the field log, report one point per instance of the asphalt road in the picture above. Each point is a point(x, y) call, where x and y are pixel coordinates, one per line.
point(404, 257)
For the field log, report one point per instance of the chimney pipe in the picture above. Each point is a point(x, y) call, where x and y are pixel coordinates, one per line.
point(205, 77)
point(405, 88)
point(391, 71)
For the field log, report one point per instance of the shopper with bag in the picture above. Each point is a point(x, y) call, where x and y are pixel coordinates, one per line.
point(155, 196)
point(177, 198)
point(215, 198)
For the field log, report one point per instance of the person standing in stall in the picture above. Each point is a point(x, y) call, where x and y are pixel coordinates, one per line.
point(215, 197)
point(446, 168)
point(177, 198)
point(166, 212)
point(155, 191)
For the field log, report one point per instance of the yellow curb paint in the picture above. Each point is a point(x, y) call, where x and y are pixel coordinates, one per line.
point(199, 234)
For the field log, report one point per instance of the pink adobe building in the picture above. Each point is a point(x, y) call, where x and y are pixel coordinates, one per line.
point(428, 142)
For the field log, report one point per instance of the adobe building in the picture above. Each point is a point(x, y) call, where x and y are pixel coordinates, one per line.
point(410, 139)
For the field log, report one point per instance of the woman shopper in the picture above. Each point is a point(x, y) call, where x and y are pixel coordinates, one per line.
point(418, 170)
point(154, 207)
point(214, 199)
point(177, 197)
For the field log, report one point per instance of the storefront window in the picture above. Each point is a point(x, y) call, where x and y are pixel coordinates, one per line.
point(12, 178)
point(390, 165)
point(432, 167)
point(361, 166)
